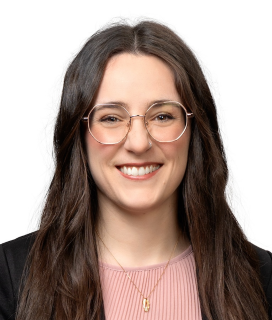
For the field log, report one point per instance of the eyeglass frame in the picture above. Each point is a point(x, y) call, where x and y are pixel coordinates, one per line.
point(188, 116)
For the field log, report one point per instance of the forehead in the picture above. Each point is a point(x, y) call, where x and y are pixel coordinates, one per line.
point(131, 79)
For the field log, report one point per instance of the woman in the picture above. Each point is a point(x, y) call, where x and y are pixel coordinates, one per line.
point(136, 224)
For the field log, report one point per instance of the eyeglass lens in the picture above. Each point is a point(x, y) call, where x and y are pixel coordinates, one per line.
point(110, 124)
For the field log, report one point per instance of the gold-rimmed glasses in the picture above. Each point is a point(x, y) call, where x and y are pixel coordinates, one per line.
point(110, 123)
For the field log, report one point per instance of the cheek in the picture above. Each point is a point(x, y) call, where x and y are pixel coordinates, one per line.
point(177, 155)
point(94, 153)
point(99, 156)
point(90, 147)
point(183, 150)
point(178, 150)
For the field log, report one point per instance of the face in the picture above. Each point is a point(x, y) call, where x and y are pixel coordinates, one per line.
point(137, 81)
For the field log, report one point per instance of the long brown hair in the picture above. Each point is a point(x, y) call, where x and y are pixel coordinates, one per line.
point(62, 274)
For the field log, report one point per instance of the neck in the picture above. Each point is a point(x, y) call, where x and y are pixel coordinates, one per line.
point(138, 239)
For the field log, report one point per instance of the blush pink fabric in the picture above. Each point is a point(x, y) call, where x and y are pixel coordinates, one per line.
point(175, 297)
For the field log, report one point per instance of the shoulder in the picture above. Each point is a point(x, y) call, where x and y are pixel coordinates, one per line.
point(265, 264)
point(19, 245)
point(13, 256)
point(265, 261)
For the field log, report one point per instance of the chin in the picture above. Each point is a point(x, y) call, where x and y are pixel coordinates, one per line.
point(140, 202)
point(139, 208)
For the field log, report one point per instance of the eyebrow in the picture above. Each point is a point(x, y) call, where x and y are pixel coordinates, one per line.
point(127, 106)
point(108, 105)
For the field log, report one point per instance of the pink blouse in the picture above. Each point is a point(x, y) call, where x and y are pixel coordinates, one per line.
point(175, 297)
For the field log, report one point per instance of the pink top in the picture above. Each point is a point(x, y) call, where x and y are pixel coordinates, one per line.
point(175, 297)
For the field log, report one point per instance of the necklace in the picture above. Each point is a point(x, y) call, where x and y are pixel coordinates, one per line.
point(146, 303)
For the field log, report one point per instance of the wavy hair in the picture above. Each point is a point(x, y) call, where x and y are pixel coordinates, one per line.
point(62, 274)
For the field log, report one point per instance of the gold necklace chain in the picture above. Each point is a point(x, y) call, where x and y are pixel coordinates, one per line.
point(146, 303)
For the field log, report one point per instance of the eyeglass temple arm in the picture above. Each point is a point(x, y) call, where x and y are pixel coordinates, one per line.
point(84, 119)
point(190, 114)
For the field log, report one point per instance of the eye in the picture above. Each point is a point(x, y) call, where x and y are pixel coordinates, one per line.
point(163, 117)
point(109, 119)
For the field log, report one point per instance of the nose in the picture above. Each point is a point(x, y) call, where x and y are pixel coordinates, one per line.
point(138, 139)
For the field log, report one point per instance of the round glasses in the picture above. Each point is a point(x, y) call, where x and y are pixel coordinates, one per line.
point(164, 121)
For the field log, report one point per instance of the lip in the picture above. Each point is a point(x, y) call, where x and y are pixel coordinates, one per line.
point(138, 164)
point(143, 164)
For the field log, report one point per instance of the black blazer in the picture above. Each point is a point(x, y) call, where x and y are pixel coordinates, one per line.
point(13, 256)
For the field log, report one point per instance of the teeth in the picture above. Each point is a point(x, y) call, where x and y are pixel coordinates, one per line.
point(134, 172)
point(139, 171)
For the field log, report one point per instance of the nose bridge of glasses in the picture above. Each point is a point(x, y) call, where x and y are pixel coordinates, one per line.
point(136, 116)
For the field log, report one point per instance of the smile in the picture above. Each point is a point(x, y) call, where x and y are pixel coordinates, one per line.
point(139, 171)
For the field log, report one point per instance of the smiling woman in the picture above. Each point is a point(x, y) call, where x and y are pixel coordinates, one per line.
point(136, 224)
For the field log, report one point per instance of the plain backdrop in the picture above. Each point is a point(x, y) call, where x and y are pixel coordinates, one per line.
point(232, 40)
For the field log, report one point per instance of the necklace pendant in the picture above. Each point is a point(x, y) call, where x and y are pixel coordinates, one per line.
point(146, 305)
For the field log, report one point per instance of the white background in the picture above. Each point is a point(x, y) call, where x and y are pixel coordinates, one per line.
point(232, 39)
